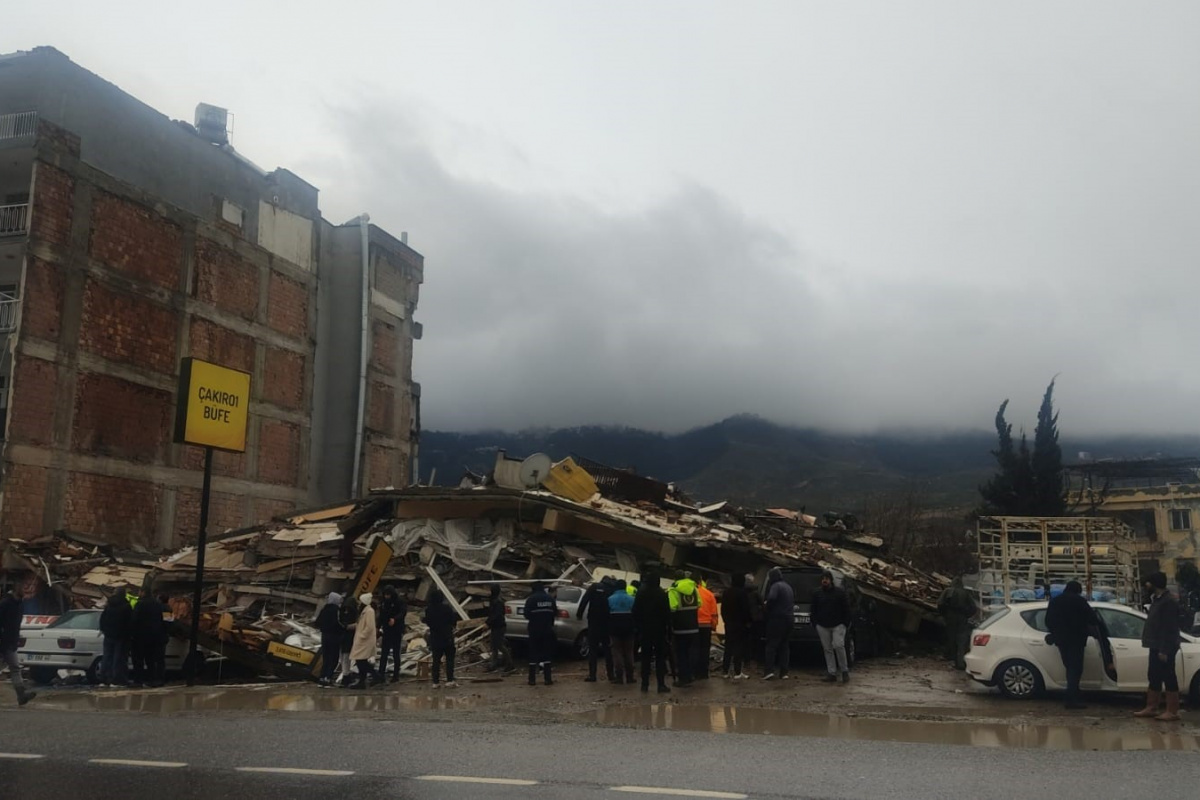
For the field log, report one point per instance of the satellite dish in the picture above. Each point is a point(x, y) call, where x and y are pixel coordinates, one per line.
point(535, 469)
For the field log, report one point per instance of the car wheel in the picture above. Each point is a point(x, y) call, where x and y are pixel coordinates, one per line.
point(581, 647)
point(92, 673)
point(43, 675)
point(1019, 680)
point(1194, 691)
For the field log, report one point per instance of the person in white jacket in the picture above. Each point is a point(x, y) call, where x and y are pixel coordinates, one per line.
point(364, 647)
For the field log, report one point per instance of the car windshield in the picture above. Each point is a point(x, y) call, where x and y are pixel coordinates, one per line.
point(569, 594)
point(993, 619)
point(78, 619)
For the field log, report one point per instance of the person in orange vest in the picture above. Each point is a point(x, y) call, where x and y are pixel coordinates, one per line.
point(707, 619)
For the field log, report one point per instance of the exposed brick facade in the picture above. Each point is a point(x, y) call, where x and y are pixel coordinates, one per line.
point(266, 508)
point(383, 347)
point(121, 510)
point(53, 191)
point(135, 240)
point(129, 329)
point(283, 378)
point(225, 512)
point(31, 411)
point(224, 463)
point(287, 306)
point(114, 417)
point(278, 452)
point(226, 280)
point(41, 311)
point(379, 466)
point(24, 499)
point(381, 408)
point(211, 342)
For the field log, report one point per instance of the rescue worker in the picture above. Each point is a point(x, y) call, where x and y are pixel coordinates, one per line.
point(10, 640)
point(778, 608)
point(348, 617)
point(1161, 637)
point(441, 619)
point(392, 611)
point(331, 637)
point(652, 618)
point(621, 631)
point(685, 626)
point(541, 611)
point(958, 608)
point(595, 605)
point(831, 618)
point(364, 644)
point(706, 618)
point(1070, 620)
point(148, 635)
point(116, 623)
point(735, 612)
point(497, 631)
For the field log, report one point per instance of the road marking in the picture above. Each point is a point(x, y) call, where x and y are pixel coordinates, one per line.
point(469, 779)
point(124, 762)
point(328, 773)
point(25, 756)
point(676, 792)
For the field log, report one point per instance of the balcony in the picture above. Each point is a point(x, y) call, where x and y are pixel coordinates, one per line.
point(14, 219)
point(9, 306)
point(17, 126)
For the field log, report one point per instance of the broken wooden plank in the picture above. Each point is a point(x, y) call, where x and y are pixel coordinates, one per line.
point(437, 579)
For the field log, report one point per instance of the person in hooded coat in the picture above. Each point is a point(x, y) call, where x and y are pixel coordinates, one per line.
point(595, 605)
point(779, 604)
point(149, 631)
point(348, 618)
point(652, 618)
point(958, 608)
point(540, 612)
point(497, 633)
point(116, 623)
point(331, 637)
point(364, 646)
point(735, 612)
point(392, 611)
point(441, 619)
point(1071, 620)
point(684, 599)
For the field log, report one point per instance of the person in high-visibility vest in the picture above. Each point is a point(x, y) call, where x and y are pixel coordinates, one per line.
point(685, 626)
point(707, 618)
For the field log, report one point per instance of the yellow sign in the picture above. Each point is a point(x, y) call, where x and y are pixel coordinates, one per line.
point(214, 405)
point(372, 571)
point(288, 653)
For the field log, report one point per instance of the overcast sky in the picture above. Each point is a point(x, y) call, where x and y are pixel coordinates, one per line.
point(853, 215)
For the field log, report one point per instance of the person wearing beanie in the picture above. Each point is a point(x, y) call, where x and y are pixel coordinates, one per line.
point(1161, 637)
point(441, 619)
point(1070, 620)
point(364, 647)
point(392, 612)
point(331, 637)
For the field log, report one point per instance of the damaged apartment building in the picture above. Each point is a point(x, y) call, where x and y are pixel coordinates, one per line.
point(129, 241)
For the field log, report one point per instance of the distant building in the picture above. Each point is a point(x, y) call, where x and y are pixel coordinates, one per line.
point(129, 241)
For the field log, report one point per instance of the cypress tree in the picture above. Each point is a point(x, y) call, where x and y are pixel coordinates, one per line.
point(1047, 489)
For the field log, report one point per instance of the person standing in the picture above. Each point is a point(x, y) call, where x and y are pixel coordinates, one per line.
point(706, 619)
point(331, 637)
point(1161, 637)
point(116, 623)
point(595, 605)
point(831, 616)
point(348, 618)
point(148, 631)
point(10, 640)
point(779, 604)
point(540, 613)
point(684, 600)
point(497, 633)
point(652, 619)
point(392, 612)
point(1070, 620)
point(441, 619)
point(758, 623)
point(958, 608)
point(735, 612)
point(364, 646)
point(621, 631)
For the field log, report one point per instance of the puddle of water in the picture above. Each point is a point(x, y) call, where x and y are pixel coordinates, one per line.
point(331, 700)
point(734, 719)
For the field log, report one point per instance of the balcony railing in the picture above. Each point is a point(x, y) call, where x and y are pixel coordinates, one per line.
point(14, 219)
point(14, 126)
point(9, 305)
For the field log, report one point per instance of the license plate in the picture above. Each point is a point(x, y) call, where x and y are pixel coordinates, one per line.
point(803, 619)
point(37, 658)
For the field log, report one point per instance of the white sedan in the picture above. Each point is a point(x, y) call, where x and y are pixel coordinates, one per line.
point(73, 641)
point(1009, 651)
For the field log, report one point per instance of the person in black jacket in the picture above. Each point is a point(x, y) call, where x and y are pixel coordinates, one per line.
point(735, 612)
point(497, 631)
point(540, 613)
point(441, 619)
point(1161, 637)
point(149, 634)
point(831, 616)
point(652, 618)
point(331, 637)
point(595, 605)
point(10, 639)
point(1070, 620)
point(116, 623)
point(392, 611)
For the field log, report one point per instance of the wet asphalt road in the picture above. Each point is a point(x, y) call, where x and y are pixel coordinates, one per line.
point(390, 759)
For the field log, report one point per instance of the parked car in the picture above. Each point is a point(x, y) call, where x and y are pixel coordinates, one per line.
point(862, 636)
point(74, 641)
point(1009, 651)
point(569, 632)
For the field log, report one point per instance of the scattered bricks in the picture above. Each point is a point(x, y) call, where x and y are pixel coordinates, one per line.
point(226, 280)
point(211, 342)
point(120, 510)
point(266, 509)
point(114, 417)
point(381, 408)
point(34, 385)
point(380, 461)
point(287, 306)
point(283, 378)
point(383, 347)
point(232, 465)
point(42, 300)
point(136, 240)
point(279, 452)
point(127, 328)
point(53, 191)
point(24, 495)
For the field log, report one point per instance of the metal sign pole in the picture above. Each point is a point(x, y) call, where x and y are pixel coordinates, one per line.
point(193, 659)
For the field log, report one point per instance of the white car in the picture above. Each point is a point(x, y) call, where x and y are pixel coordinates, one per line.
point(74, 641)
point(1009, 651)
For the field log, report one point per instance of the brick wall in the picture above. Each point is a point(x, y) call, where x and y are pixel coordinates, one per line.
point(31, 413)
point(121, 510)
point(383, 347)
point(379, 466)
point(24, 496)
point(211, 342)
point(224, 279)
point(266, 509)
point(283, 378)
point(287, 306)
point(381, 408)
point(390, 278)
point(127, 328)
point(114, 417)
point(53, 192)
point(232, 465)
point(278, 452)
point(42, 300)
point(137, 241)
